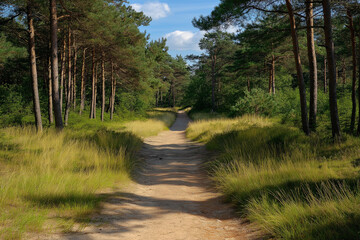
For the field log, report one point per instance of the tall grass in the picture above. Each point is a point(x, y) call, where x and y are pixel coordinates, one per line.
point(51, 181)
point(160, 120)
point(292, 186)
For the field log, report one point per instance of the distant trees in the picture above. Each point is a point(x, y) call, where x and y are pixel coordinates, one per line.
point(218, 47)
point(317, 18)
point(102, 53)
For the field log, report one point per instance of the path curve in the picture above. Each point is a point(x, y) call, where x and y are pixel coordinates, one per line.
point(171, 198)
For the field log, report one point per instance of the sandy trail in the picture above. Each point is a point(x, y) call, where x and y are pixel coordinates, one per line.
point(171, 199)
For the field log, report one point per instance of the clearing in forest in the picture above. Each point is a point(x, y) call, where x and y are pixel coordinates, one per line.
point(171, 198)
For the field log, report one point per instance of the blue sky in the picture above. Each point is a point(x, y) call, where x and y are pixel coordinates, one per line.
point(172, 20)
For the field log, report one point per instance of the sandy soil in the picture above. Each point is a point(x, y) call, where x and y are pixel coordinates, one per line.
point(170, 200)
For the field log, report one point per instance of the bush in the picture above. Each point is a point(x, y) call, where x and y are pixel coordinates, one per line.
point(257, 101)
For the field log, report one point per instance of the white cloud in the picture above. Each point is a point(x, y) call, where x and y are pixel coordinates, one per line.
point(229, 28)
point(232, 29)
point(155, 10)
point(184, 40)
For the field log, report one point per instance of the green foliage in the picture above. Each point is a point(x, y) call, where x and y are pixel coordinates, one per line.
point(144, 70)
point(12, 109)
point(9, 51)
point(255, 102)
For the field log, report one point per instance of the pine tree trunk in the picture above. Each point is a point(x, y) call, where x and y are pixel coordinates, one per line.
point(71, 79)
point(173, 94)
point(304, 119)
point(69, 83)
point(273, 74)
point(82, 90)
point(55, 65)
point(332, 69)
point(213, 83)
point(74, 74)
point(353, 86)
point(270, 80)
point(50, 97)
point(248, 84)
point(62, 74)
point(358, 90)
point(113, 91)
point(32, 59)
point(92, 85)
point(95, 89)
point(102, 87)
point(344, 72)
point(325, 75)
point(312, 65)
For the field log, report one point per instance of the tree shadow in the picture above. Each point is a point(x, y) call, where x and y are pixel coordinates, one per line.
point(177, 165)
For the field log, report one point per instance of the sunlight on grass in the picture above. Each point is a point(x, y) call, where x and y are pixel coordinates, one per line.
point(56, 177)
point(204, 129)
point(292, 186)
point(160, 120)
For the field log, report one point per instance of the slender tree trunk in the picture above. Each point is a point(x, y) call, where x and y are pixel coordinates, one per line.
point(69, 85)
point(74, 74)
point(71, 79)
point(304, 119)
point(102, 87)
point(55, 65)
point(32, 58)
point(344, 72)
point(92, 85)
point(113, 91)
point(95, 90)
point(173, 93)
point(332, 69)
point(312, 65)
point(273, 74)
point(353, 86)
point(82, 90)
point(270, 79)
point(213, 83)
point(62, 75)
point(50, 97)
point(157, 98)
point(358, 129)
point(325, 75)
point(248, 84)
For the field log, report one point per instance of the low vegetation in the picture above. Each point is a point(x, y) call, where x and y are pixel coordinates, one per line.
point(292, 186)
point(53, 180)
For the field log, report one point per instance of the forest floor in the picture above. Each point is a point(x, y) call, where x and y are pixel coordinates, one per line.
point(170, 198)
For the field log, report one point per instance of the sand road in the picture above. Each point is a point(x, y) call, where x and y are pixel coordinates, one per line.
point(171, 198)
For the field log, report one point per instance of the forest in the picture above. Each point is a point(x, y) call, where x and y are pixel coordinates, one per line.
point(84, 90)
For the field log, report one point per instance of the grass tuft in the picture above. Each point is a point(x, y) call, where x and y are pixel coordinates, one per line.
point(292, 186)
point(52, 180)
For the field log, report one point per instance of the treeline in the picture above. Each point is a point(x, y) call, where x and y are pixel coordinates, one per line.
point(320, 37)
point(82, 56)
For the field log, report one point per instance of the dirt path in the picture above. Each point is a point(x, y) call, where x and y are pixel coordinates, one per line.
point(171, 199)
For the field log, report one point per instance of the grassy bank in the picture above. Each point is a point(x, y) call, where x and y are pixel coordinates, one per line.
point(52, 181)
point(292, 186)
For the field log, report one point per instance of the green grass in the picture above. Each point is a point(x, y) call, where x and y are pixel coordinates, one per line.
point(290, 185)
point(194, 115)
point(52, 181)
